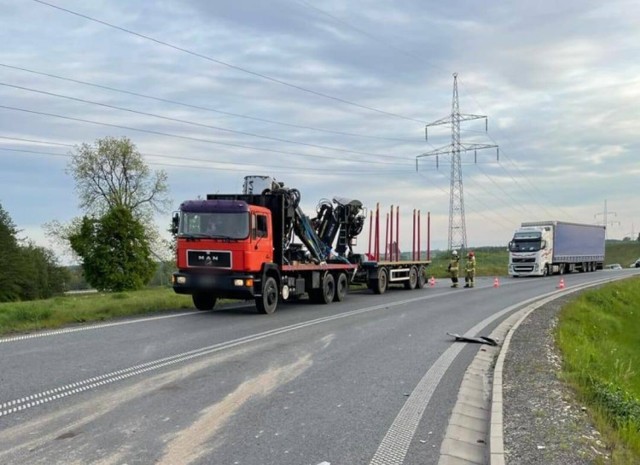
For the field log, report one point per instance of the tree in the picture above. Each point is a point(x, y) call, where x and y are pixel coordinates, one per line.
point(27, 271)
point(114, 251)
point(39, 274)
point(113, 174)
point(9, 251)
point(119, 194)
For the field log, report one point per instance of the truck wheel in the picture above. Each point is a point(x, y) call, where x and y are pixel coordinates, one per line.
point(342, 286)
point(413, 279)
point(268, 301)
point(422, 278)
point(204, 301)
point(380, 284)
point(328, 291)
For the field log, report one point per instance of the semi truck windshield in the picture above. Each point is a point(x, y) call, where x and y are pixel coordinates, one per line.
point(215, 225)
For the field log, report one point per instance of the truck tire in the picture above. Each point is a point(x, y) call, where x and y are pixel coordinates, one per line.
point(268, 301)
point(422, 278)
point(413, 279)
point(379, 285)
point(204, 301)
point(327, 291)
point(342, 286)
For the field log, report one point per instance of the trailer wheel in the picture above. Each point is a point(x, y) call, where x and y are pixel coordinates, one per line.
point(380, 284)
point(268, 301)
point(204, 301)
point(422, 277)
point(342, 286)
point(413, 279)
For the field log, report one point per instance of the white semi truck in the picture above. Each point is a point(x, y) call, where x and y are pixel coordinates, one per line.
point(555, 247)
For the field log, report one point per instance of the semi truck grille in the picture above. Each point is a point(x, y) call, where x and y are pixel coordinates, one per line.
point(209, 258)
point(523, 260)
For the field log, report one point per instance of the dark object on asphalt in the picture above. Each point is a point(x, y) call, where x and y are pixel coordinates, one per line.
point(479, 340)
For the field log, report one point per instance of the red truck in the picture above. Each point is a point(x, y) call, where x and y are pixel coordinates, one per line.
point(242, 246)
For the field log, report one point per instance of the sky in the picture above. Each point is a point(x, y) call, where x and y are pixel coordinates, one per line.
point(332, 98)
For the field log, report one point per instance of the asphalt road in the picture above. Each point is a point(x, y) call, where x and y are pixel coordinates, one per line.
point(371, 381)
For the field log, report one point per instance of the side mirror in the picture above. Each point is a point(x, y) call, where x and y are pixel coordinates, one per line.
point(175, 223)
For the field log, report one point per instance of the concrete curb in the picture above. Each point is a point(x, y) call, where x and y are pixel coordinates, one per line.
point(496, 426)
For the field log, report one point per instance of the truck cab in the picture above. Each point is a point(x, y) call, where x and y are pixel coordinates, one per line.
point(531, 251)
point(223, 245)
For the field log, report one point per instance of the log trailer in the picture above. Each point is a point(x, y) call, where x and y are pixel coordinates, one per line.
point(242, 246)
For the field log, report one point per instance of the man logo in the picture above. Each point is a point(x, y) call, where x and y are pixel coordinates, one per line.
point(209, 259)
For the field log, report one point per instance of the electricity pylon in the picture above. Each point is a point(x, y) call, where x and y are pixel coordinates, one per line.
point(457, 229)
point(605, 222)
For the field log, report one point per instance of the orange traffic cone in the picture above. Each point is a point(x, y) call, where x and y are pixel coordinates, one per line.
point(496, 282)
point(561, 284)
point(432, 281)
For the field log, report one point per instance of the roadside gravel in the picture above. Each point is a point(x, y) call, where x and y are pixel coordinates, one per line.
point(543, 421)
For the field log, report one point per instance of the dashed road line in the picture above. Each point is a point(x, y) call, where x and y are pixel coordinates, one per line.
point(23, 403)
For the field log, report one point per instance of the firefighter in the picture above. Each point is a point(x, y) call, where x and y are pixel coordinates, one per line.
point(470, 270)
point(453, 268)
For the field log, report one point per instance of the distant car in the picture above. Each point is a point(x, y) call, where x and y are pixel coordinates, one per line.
point(635, 264)
point(613, 266)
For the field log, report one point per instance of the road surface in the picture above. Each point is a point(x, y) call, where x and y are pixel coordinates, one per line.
point(371, 380)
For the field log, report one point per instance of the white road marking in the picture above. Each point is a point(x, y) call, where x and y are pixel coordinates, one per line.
point(56, 332)
point(119, 375)
point(395, 444)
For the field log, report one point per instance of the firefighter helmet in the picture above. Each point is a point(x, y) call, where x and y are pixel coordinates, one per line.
point(471, 254)
point(454, 253)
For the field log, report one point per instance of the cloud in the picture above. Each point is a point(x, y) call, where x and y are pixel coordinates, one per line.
point(558, 85)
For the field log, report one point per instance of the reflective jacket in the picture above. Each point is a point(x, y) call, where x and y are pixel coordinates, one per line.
point(470, 266)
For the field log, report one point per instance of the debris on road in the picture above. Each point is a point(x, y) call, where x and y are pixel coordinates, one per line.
point(479, 340)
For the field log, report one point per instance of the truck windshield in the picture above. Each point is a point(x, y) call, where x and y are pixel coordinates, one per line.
point(215, 225)
point(525, 245)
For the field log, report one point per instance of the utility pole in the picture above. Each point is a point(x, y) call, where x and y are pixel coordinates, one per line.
point(457, 228)
point(605, 215)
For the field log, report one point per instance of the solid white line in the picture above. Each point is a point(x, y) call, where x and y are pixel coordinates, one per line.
point(57, 332)
point(395, 444)
point(101, 380)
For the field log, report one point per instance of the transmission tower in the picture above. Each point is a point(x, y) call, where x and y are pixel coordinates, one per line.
point(605, 214)
point(457, 229)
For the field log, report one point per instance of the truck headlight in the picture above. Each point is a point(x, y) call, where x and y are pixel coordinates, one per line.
point(181, 280)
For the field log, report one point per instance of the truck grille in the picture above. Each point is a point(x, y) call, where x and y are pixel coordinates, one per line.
point(523, 260)
point(209, 258)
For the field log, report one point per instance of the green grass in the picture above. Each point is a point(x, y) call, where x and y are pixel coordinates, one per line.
point(65, 310)
point(490, 261)
point(599, 336)
point(623, 252)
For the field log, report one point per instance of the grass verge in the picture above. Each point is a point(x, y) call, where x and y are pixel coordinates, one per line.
point(599, 337)
point(65, 310)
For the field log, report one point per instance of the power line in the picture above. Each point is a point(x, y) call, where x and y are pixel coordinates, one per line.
point(284, 168)
point(36, 141)
point(220, 62)
point(196, 139)
point(487, 207)
point(203, 108)
point(193, 123)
